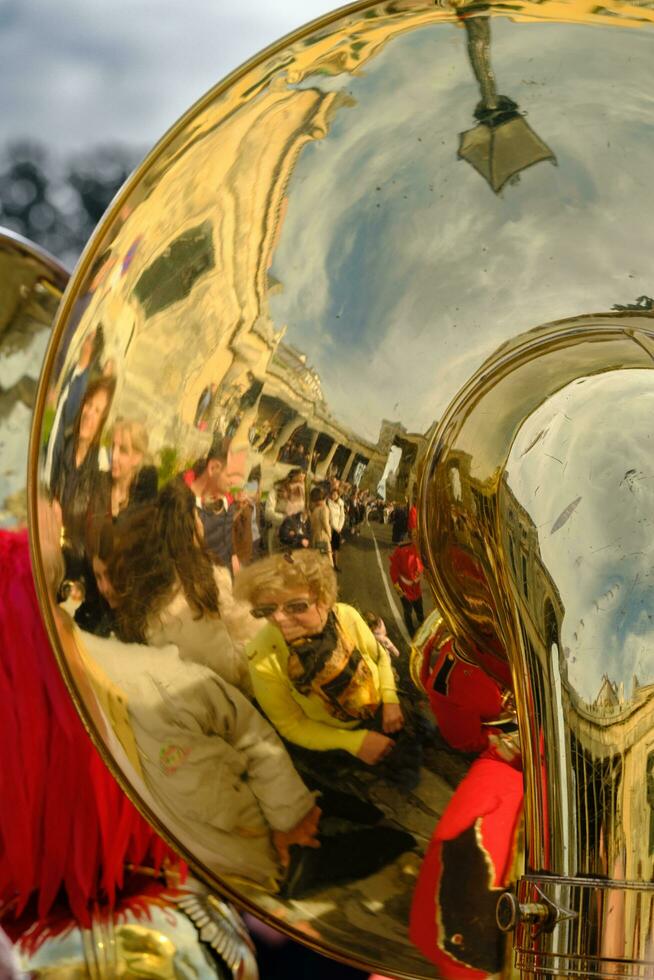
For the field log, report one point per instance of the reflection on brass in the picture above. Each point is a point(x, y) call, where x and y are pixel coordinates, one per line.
point(119, 944)
point(502, 144)
point(566, 594)
point(422, 637)
point(31, 286)
point(166, 945)
point(319, 458)
point(223, 930)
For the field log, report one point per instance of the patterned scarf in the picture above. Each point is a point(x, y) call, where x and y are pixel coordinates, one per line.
point(335, 671)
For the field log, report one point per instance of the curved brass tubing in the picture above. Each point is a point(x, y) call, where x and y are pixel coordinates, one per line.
point(538, 526)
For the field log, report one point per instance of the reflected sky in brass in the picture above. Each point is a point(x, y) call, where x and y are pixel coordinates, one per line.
point(414, 242)
point(595, 522)
point(538, 519)
point(31, 285)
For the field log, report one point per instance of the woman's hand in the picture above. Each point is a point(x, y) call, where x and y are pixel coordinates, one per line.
point(303, 833)
point(374, 747)
point(392, 718)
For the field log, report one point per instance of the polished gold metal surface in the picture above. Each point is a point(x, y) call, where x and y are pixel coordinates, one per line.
point(357, 259)
point(566, 587)
point(192, 934)
point(196, 936)
point(31, 285)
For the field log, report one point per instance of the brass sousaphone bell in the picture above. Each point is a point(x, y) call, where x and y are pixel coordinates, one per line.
point(310, 288)
point(72, 899)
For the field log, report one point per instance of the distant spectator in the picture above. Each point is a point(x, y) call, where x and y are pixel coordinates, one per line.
point(70, 399)
point(76, 482)
point(295, 531)
point(321, 531)
point(406, 570)
point(211, 481)
point(377, 627)
point(336, 508)
point(129, 446)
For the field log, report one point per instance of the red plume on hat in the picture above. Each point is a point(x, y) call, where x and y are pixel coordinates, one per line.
point(67, 831)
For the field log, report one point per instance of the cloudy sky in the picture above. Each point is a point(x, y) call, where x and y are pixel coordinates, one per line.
point(595, 451)
point(403, 271)
point(74, 72)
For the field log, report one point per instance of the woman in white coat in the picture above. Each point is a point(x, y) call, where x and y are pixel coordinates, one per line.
point(170, 592)
point(336, 509)
point(203, 758)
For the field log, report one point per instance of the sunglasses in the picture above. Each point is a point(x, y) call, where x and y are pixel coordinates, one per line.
point(293, 608)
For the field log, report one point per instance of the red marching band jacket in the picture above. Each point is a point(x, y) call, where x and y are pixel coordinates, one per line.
point(406, 569)
point(469, 859)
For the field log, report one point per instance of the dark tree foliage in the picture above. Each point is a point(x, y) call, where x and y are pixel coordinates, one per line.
point(57, 203)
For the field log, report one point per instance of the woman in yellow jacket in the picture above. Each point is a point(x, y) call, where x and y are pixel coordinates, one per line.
point(317, 670)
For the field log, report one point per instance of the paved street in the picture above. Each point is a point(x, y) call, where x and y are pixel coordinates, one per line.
point(365, 581)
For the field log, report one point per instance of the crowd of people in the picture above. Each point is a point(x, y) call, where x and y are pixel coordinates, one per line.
point(319, 518)
point(220, 408)
point(232, 677)
point(212, 608)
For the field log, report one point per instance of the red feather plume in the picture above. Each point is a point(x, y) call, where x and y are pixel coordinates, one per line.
point(67, 831)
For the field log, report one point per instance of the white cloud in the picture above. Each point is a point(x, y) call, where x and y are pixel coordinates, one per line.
point(397, 305)
point(598, 446)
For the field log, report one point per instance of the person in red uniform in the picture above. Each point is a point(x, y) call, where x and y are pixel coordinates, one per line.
point(412, 522)
point(469, 859)
point(406, 569)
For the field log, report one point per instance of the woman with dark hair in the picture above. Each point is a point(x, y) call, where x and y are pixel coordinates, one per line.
point(71, 396)
point(168, 590)
point(76, 479)
point(97, 613)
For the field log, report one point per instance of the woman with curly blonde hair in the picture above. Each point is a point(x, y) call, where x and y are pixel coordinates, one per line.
point(317, 671)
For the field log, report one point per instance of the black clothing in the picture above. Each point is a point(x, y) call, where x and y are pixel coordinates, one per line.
point(289, 959)
point(218, 527)
point(293, 529)
point(144, 486)
point(400, 524)
point(343, 858)
point(95, 615)
point(409, 607)
point(78, 490)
